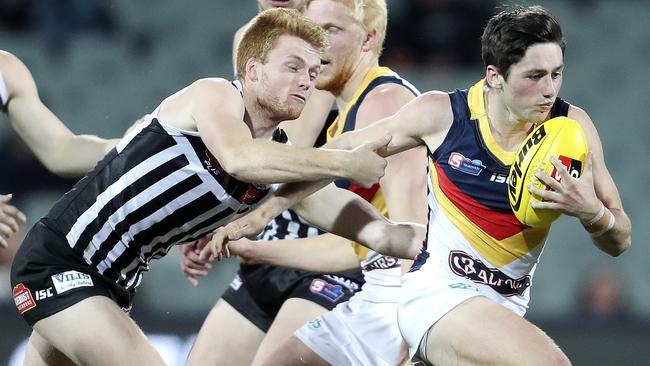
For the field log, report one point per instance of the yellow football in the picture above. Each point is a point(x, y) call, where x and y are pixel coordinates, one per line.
point(561, 137)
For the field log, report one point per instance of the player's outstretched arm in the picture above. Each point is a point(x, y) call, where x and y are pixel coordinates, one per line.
point(220, 123)
point(423, 120)
point(593, 198)
point(334, 210)
point(344, 213)
point(61, 151)
point(325, 253)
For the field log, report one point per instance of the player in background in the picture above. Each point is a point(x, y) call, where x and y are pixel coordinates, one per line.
point(267, 303)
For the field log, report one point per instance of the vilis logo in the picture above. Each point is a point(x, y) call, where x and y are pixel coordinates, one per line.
point(326, 289)
point(70, 279)
point(517, 174)
point(23, 298)
point(466, 165)
point(574, 167)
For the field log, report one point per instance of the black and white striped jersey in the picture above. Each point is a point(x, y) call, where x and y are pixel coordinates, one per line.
point(288, 225)
point(4, 94)
point(160, 186)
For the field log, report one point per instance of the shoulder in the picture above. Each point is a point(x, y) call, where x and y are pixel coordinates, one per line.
point(383, 101)
point(10, 64)
point(388, 94)
point(212, 85)
point(214, 90)
point(8, 59)
point(207, 97)
point(16, 76)
point(435, 104)
point(435, 107)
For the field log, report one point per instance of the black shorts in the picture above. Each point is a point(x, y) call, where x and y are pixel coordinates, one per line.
point(258, 291)
point(47, 277)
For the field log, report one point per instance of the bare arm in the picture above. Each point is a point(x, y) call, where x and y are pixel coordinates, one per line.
point(584, 197)
point(217, 110)
point(343, 213)
point(61, 151)
point(325, 253)
point(424, 120)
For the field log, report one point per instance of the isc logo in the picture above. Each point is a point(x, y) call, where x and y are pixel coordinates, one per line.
point(499, 178)
point(43, 294)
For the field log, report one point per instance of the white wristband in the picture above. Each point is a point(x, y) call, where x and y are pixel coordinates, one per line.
point(599, 215)
point(610, 225)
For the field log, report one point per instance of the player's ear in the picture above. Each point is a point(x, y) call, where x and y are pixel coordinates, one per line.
point(370, 41)
point(252, 68)
point(493, 78)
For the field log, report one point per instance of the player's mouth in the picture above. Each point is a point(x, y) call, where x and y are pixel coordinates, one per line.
point(299, 97)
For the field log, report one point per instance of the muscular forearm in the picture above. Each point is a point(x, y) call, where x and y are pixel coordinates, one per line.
point(401, 240)
point(343, 213)
point(262, 161)
point(615, 240)
point(323, 253)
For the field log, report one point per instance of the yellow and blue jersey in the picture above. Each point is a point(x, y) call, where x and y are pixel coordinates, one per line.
point(346, 121)
point(467, 188)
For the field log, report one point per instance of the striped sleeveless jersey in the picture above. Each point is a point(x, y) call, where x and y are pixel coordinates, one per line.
point(160, 186)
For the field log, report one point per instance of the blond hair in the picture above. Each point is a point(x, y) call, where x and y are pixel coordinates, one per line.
point(370, 14)
point(264, 30)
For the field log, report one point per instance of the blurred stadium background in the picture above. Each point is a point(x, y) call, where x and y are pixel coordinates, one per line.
point(100, 65)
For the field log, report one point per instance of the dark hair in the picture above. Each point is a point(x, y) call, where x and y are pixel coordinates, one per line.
point(508, 35)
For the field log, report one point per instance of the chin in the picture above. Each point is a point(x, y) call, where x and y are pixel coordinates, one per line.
point(292, 113)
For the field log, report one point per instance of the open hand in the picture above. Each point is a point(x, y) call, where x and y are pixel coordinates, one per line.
point(249, 225)
point(571, 196)
point(191, 263)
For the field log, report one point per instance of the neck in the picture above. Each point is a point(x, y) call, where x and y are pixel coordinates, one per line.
point(367, 62)
point(259, 120)
point(508, 131)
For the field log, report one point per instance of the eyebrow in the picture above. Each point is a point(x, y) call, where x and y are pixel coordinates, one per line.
point(297, 58)
point(303, 61)
point(330, 24)
point(537, 71)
